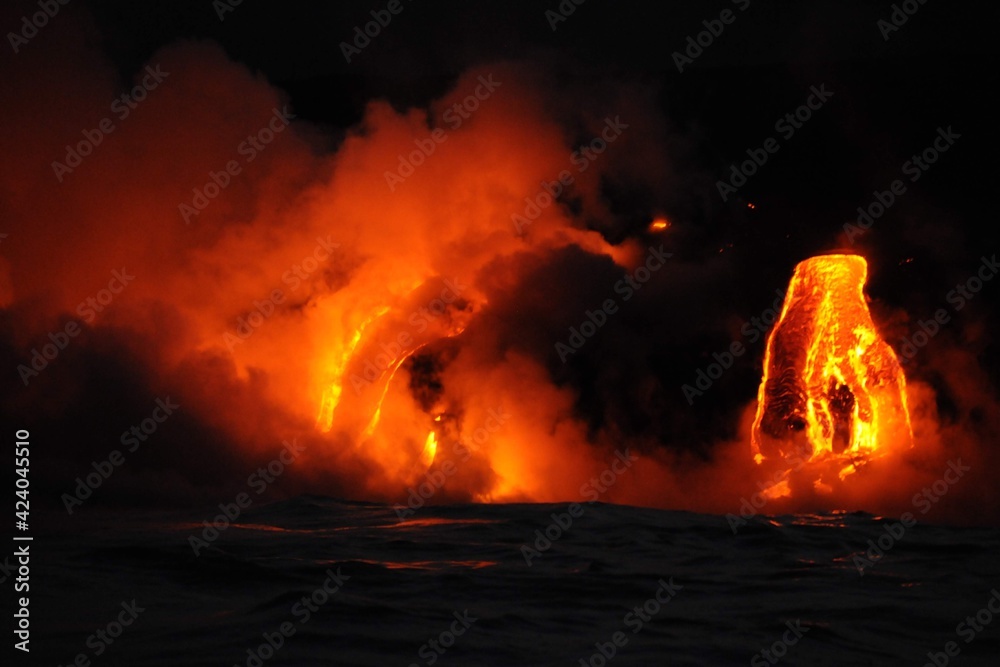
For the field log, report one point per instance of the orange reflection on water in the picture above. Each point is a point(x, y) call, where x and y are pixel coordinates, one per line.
point(430, 564)
point(436, 521)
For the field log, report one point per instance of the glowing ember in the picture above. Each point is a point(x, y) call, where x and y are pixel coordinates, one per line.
point(659, 225)
point(833, 391)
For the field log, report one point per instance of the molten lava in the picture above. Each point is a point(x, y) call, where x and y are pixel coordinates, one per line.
point(659, 224)
point(430, 449)
point(833, 394)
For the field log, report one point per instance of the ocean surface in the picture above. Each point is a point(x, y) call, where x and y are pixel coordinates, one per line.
point(345, 583)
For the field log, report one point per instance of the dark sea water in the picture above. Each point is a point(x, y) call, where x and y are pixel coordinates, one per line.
point(401, 584)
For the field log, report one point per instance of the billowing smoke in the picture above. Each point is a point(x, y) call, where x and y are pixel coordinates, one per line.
point(466, 295)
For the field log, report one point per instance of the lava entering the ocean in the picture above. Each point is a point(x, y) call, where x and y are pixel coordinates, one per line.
point(833, 394)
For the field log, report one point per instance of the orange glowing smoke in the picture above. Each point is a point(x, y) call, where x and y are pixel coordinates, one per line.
point(833, 394)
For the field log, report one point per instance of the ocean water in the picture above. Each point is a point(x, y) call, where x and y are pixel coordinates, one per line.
point(452, 585)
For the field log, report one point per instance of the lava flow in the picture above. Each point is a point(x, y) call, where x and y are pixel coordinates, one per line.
point(833, 394)
point(368, 366)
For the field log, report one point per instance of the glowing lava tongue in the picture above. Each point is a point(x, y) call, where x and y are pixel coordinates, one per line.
point(833, 391)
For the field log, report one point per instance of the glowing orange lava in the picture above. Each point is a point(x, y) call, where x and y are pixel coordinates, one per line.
point(833, 394)
point(430, 449)
point(337, 369)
